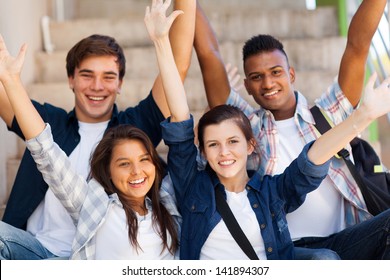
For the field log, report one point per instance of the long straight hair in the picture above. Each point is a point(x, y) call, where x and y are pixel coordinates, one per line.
point(100, 171)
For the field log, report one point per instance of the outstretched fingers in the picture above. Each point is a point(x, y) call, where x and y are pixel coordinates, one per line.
point(10, 65)
point(156, 21)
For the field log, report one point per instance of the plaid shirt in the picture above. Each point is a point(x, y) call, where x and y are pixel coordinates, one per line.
point(86, 203)
point(338, 108)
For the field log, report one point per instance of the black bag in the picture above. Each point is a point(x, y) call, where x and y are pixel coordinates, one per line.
point(374, 184)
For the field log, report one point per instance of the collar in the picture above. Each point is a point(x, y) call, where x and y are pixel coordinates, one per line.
point(72, 118)
point(302, 110)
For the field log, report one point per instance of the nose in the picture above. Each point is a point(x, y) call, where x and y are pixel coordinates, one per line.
point(223, 150)
point(97, 84)
point(267, 82)
point(135, 169)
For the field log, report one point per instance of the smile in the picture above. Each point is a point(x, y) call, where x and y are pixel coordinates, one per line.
point(272, 93)
point(139, 181)
point(96, 98)
point(226, 162)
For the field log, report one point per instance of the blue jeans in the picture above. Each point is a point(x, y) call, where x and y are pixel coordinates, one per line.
point(369, 240)
point(17, 244)
point(302, 253)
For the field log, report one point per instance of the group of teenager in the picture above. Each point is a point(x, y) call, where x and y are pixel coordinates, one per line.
point(91, 184)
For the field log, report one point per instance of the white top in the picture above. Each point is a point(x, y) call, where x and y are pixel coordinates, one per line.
point(112, 239)
point(50, 223)
point(220, 245)
point(322, 213)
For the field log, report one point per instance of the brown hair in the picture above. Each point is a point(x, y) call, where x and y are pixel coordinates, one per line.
point(95, 45)
point(222, 113)
point(100, 171)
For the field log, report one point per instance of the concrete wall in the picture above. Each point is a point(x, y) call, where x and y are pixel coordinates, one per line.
point(19, 23)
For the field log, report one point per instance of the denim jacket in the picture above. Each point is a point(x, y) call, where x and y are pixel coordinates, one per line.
point(270, 197)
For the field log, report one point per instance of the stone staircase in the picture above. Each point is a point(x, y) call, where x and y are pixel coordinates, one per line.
point(310, 38)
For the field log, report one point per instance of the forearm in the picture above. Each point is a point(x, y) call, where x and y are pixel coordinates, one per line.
point(6, 112)
point(214, 74)
point(28, 118)
point(362, 28)
point(339, 136)
point(182, 35)
point(173, 86)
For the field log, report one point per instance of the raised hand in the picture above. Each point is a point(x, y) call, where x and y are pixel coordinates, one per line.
point(376, 101)
point(156, 21)
point(9, 65)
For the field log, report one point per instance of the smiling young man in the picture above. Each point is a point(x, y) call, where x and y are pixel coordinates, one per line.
point(35, 224)
point(335, 215)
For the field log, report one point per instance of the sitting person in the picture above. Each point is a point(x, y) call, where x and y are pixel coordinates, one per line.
point(119, 213)
point(35, 224)
point(226, 140)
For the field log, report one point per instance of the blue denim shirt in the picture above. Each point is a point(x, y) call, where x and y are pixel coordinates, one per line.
point(271, 197)
point(29, 188)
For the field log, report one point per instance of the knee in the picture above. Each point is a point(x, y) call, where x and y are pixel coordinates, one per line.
point(324, 254)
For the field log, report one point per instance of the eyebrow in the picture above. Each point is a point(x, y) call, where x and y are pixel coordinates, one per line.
point(106, 73)
point(229, 138)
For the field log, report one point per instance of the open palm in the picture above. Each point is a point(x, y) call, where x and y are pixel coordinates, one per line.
point(157, 23)
point(9, 65)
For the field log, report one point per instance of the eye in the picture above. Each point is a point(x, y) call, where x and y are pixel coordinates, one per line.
point(110, 78)
point(255, 77)
point(123, 164)
point(233, 141)
point(146, 158)
point(277, 72)
point(86, 75)
point(210, 145)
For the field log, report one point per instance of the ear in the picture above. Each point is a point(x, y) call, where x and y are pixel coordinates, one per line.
point(291, 72)
point(246, 84)
point(251, 146)
point(71, 83)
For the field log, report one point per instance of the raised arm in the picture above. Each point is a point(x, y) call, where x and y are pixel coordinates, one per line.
point(28, 118)
point(158, 25)
point(376, 103)
point(214, 74)
point(361, 30)
point(182, 39)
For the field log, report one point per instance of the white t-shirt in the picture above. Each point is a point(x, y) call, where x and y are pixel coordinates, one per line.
point(50, 223)
point(112, 239)
point(220, 245)
point(322, 213)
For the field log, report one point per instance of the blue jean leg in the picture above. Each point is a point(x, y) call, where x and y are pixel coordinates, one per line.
point(17, 244)
point(369, 240)
point(302, 253)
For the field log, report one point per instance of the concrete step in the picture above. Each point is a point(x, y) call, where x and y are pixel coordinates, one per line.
point(116, 8)
point(308, 54)
point(236, 25)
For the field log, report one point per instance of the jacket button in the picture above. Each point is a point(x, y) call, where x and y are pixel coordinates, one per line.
point(262, 226)
point(269, 249)
point(255, 205)
point(192, 207)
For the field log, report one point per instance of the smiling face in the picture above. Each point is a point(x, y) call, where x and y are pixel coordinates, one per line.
point(132, 170)
point(95, 84)
point(269, 80)
point(226, 150)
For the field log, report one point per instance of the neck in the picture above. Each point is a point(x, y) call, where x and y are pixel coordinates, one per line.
point(235, 184)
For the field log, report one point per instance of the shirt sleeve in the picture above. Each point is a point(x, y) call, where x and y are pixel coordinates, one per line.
point(335, 103)
point(182, 163)
point(69, 187)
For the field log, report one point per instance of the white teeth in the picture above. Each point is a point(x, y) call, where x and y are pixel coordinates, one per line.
point(270, 93)
point(226, 162)
point(96, 98)
point(137, 181)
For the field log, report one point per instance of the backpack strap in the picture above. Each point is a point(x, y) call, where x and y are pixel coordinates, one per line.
point(233, 226)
